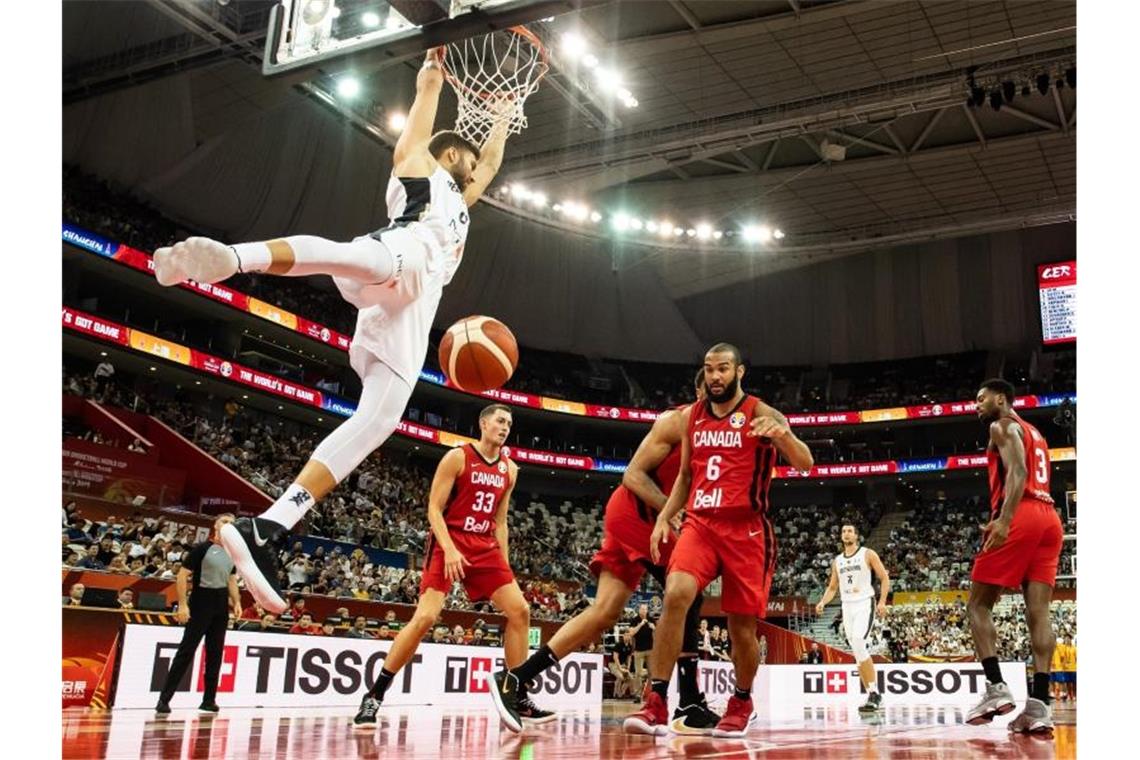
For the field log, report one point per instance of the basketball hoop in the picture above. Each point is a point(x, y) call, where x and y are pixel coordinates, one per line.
point(492, 77)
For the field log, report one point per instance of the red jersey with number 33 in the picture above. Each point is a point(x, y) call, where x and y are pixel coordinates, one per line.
point(731, 471)
point(477, 493)
point(1036, 465)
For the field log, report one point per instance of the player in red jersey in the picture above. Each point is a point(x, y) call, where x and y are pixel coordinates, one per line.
point(620, 564)
point(1021, 548)
point(467, 509)
point(730, 447)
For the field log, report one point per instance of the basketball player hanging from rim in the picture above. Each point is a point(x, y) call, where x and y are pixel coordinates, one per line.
point(394, 276)
point(851, 577)
point(1021, 547)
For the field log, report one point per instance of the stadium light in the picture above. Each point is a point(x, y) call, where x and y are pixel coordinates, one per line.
point(608, 79)
point(397, 121)
point(704, 232)
point(757, 233)
point(778, 234)
point(538, 199)
point(718, 235)
point(370, 19)
point(589, 60)
point(573, 45)
point(678, 232)
point(518, 192)
point(651, 226)
point(621, 222)
point(691, 232)
point(348, 87)
point(636, 224)
point(595, 216)
point(665, 228)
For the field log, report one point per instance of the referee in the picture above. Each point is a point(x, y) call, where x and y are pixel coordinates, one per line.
point(205, 615)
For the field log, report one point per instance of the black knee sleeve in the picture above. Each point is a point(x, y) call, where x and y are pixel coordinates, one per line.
point(692, 637)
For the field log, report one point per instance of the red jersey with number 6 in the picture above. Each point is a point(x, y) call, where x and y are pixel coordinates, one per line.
point(477, 493)
point(731, 471)
point(1036, 464)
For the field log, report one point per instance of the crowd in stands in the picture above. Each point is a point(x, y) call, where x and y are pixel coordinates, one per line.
point(808, 540)
point(942, 629)
point(935, 547)
point(93, 204)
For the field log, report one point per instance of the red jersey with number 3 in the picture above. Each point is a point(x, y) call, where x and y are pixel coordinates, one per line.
point(731, 471)
point(477, 493)
point(1036, 465)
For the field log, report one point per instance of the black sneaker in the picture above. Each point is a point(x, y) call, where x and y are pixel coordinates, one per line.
point(366, 717)
point(532, 713)
point(162, 708)
point(248, 542)
point(505, 692)
point(694, 719)
point(873, 704)
point(209, 707)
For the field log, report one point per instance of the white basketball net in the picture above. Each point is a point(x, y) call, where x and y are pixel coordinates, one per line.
point(492, 76)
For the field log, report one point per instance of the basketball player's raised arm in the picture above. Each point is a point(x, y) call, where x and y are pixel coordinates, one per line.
point(880, 571)
point(411, 157)
point(490, 159)
point(772, 424)
point(450, 468)
point(662, 437)
point(829, 592)
point(501, 532)
point(1005, 436)
point(678, 497)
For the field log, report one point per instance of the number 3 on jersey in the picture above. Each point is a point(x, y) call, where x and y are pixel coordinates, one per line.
point(484, 502)
point(1041, 471)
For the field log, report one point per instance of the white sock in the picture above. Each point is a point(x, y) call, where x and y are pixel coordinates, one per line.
point(874, 687)
point(253, 257)
point(290, 507)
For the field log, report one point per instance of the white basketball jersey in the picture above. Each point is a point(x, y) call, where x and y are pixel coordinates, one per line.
point(433, 210)
point(854, 576)
point(428, 230)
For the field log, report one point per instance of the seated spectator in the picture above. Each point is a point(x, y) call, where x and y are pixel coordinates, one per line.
point(385, 632)
point(358, 629)
point(305, 625)
point(91, 560)
point(266, 623)
point(328, 629)
point(74, 596)
point(126, 599)
point(106, 549)
point(439, 635)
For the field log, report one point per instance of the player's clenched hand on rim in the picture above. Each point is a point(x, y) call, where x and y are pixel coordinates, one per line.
point(453, 562)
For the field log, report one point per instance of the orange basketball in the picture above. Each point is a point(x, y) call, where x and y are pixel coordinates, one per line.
point(478, 354)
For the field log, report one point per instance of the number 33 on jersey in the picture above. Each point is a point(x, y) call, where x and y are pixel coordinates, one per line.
point(477, 493)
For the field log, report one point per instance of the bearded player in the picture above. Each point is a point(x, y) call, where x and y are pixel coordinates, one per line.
point(467, 509)
point(394, 276)
point(1021, 548)
point(730, 447)
point(619, 565)
point(851, 578)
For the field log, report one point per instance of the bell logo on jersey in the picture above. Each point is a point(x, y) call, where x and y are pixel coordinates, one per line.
point(708, 499)
point(736, 420)
point(471, 525)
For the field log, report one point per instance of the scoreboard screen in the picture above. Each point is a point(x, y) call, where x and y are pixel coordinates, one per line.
point(1057, 289)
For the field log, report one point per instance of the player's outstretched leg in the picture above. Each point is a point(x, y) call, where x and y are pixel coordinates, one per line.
point(250, 542)
point(507, 690)
point(201, 259)
point(1037, 717)
point(405, 645)
point(998, 699)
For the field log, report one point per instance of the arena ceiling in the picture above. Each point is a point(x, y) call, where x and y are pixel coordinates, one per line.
point(737, 104)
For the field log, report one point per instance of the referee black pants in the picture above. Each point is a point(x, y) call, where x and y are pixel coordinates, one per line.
point(209, 617)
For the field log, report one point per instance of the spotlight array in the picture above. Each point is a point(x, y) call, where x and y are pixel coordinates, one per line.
point(623, 222)
point(606, 80)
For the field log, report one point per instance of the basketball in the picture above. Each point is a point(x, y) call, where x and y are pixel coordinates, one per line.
point(478, 354)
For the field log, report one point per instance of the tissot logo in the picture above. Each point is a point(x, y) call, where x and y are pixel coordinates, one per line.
point(467, 674)
point(898, 681)
point(286, 670)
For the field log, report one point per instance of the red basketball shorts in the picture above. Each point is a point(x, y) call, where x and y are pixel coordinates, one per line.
point(1030, 552)
point(625, 539)
point(487, 573)
point(739, 548)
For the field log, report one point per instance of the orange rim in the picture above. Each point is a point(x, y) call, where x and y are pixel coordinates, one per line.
point(521, 31)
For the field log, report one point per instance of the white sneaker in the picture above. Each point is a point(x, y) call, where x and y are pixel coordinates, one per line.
point(997, 701)
point(1037, 717)
point(197, 258)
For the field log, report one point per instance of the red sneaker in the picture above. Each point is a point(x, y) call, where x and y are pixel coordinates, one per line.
point(652, 719)
point(736, 718)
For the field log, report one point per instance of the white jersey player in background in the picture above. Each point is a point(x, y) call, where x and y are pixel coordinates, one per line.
point(394, 276)
point(851, 577)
